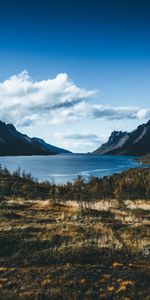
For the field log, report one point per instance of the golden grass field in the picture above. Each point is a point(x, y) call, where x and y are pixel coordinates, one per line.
point(62, 252)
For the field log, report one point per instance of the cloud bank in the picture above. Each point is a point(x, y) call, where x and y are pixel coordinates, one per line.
point(25, 102)
point(85, 141)
point(84, 110)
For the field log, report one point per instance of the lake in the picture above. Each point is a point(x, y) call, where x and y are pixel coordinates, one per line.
point(66, 167)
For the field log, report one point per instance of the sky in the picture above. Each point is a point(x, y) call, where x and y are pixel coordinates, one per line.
point(73, 71)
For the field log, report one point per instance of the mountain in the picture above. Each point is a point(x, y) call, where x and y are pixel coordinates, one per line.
point(12, 142)
point(135, 143)
point(48, 147)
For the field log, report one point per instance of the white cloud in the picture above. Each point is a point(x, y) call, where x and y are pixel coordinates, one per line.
point(118, 113)
point(82, 136)
point(79, 141)
point(143, 113)
point(24, 102)
point(99, 112)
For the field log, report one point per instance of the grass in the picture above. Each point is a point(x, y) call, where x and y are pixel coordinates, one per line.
point(60, 252)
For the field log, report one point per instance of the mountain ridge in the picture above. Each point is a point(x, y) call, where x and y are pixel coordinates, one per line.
point(14, 143)
point(136, 142)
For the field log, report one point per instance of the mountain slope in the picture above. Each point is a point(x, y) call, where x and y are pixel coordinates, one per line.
point(49, 147)
point(135, 143)
point(12, 142)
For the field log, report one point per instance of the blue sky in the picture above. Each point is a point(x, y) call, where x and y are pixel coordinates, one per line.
point(102, 50)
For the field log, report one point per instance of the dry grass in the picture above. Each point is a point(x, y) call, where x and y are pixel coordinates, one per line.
point(60, 252)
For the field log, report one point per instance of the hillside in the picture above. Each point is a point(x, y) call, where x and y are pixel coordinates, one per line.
point(136, 143)
point(12, 142)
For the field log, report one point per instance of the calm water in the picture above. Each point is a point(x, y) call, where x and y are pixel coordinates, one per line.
point(63, 168)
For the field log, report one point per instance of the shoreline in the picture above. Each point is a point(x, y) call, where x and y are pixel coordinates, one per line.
point(67, 167)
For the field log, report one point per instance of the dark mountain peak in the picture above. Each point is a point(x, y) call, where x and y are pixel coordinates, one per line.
point(49, 147)
point(12, 142)
point(10, 126)
point(136, 142)
point(144, 125)
point(2, 124)
point(117, 134)
point(115, 141)
point(147, 124)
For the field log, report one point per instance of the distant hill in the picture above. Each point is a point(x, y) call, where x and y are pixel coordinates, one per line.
point(135, 143)
point(12, 142)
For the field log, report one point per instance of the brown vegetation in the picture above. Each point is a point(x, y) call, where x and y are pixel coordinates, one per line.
point(145, 159)
point(68, 252)
point(83, 240)
point(131, 184)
